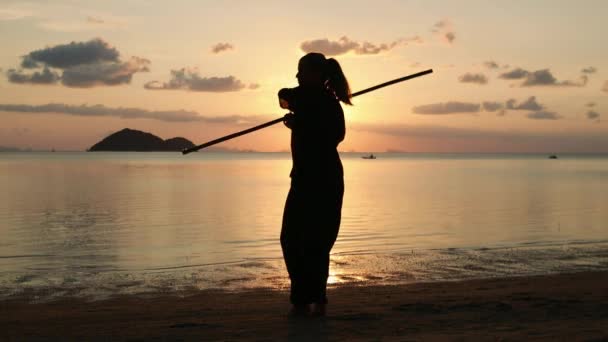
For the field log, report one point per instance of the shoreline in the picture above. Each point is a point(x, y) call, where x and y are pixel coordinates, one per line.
point(570, 306)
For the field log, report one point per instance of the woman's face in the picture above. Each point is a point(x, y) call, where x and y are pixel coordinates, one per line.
point(307, 76)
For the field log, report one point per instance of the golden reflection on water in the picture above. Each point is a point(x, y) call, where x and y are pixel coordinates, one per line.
point(163, 212)
point(340, 273)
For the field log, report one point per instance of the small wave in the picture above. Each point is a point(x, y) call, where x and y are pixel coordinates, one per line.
point(26, 256)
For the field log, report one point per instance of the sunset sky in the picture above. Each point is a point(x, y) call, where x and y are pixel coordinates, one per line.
point(509, 76)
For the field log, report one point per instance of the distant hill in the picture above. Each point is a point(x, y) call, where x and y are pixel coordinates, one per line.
point(134, 140)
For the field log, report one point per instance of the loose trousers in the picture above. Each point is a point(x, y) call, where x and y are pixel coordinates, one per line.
point(311, 221)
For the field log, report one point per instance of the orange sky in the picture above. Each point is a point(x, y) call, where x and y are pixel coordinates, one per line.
point(508, 77)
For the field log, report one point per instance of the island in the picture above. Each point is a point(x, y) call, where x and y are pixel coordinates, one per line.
point(138, 141)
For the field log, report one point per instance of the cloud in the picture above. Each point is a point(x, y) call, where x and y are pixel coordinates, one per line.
point(542, 77)
point(490, 106)
point(529, 104)
point(473, 78)
point(7, 14)
point(590, 104)
point(94, 20)
point(543, 115)
point(90, 75)
point(46, 76)
point(330, 48)
point(253, 86)
point(221, 47)
point(589, 70)
point(447, 108)
point(440, 25)
point(129, 113)
point(491, 65)
point(591, 115)
point(83, 64)
point(345, 45)
point(545, 78)
point(450, 36)
point(605, 87)
point(72, 54)
point(444, 29)
point(184, 79)
point(514, 74)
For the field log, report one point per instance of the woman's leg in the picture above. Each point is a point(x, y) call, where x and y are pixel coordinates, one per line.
point(329, 225)
point(291, 244)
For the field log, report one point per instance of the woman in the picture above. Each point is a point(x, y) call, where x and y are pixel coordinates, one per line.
point(311, 218)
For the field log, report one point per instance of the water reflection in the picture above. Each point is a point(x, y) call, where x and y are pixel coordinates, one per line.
point(115, 223)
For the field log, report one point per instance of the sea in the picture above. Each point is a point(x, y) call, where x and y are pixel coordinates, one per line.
point(100, 224)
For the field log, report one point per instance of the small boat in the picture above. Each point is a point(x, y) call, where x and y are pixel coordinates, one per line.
point(553, 156)
point(371, 156)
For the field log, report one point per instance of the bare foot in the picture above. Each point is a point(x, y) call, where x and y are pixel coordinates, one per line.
point(300, 310)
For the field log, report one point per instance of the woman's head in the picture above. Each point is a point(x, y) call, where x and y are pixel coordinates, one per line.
point(316, 71)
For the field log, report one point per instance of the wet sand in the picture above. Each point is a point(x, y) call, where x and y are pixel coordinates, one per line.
point(555, 307)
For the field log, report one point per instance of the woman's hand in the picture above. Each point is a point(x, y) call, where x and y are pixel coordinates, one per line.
point(283, 103)
point(288, 120)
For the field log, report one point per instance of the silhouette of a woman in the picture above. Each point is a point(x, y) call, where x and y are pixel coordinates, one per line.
point(311, 218)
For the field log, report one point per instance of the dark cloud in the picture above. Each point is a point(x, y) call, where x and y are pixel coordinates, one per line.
point(330, 48)
point(440, 25)
point(28, 63)
point(129, 113)
point(491, 65)
point(109, 74)
point(94, 20)
point(82, 64)
point(545, 78)
point(542, 77)
point(591, 115)
point(46, 76)
point(73, 54)
point(450, 36)
point(345, 45)
point(589, 70)
point(444, 29)
point(490, 106)
point(590, 104)
point(543, 115)
point(184, 79)
point(221, 47)
point(447, 108)
point(529, 104)
point(473, 78)
point(514, 74)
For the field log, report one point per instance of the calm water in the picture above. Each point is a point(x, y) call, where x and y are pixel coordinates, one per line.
point(99, 224)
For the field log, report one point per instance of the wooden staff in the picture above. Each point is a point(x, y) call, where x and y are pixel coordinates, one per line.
point(275, 121)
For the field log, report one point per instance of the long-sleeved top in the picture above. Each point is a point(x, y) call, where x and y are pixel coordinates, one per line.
point(317, 129)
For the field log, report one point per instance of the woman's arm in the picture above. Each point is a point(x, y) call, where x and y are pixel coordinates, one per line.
point(287, 101)
point(286, 98)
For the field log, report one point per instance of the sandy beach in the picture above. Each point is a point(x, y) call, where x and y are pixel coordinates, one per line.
point(572, 307)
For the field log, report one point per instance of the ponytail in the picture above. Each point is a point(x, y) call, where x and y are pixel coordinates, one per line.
point(337, 81)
